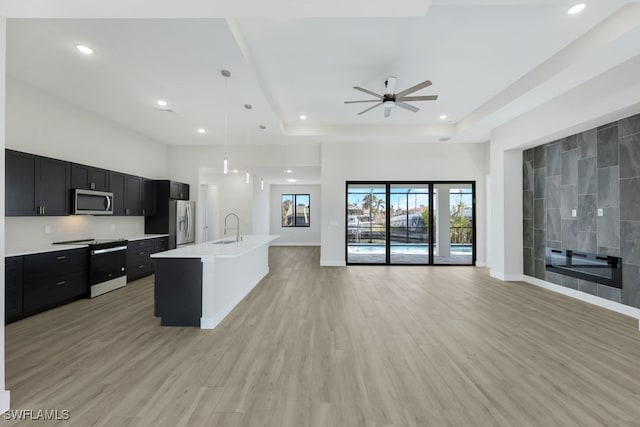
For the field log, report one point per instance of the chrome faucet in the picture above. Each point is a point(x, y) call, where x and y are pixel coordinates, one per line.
point(237, 228)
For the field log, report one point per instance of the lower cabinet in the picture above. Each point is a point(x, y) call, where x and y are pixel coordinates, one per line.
point(35, 283)
point(139, 263)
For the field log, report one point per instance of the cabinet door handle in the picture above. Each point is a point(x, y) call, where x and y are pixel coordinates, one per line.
point(127, 211)
point(140, 253)
point(141, 266)
point(61, 257)
point(43, 210)
point(143, 212)
point(92, 185)
point(61, 283)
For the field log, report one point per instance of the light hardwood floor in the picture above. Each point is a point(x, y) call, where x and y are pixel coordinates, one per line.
point(356, 346)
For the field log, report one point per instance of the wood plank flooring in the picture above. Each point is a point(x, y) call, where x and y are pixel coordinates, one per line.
point(355, 346)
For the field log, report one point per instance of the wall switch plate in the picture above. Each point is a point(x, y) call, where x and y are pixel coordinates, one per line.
point(574, 213)
point(47, 229)
point(600, 212)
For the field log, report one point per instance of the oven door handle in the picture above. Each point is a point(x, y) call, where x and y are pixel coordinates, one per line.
point(106, 251)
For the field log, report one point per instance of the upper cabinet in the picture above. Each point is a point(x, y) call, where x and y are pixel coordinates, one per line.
point(178, 191)
point(148, 197)
point(36, 185)
point(89, 178)
point(127, 194)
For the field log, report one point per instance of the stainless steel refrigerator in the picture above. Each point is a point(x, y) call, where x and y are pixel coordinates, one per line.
point(184, 214)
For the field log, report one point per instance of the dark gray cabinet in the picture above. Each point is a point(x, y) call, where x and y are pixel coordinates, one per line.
point(54, 278)
point(36, 185)
point(148, 197)
point(139, 262)
point(178, 191)
point(117, 187)
point(13, 288)
point(89, 178)
point(127, 194)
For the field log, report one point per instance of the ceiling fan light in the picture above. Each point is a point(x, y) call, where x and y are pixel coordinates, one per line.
point(388, 104)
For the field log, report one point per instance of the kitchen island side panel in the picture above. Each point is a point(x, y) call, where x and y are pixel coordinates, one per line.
point(178, 287)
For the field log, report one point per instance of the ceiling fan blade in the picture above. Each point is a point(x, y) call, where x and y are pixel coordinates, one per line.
point(391, 84)
point(387, 111)
point(367, 91)
point(412, 89)
point(357, 102)
point(407, 106)
point(370, 108)
point(417, 98)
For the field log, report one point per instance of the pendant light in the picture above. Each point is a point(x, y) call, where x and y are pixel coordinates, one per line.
point(262, 183)
point(247, 177)
point(225, 165)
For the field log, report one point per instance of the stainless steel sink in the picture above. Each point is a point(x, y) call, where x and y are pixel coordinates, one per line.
point(223, 242)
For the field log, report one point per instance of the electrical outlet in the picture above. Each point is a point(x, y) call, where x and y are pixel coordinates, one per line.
point(137, 225)
point(113, 226)
point(574, 213)
point(600, 212)
point(47, 229)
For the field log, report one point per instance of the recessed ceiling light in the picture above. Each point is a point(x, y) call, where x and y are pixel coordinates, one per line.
point(84, 49)
point(288, 171)
point(292, 180)
point(303, 117)
point(236, 171)
point(201, 130)
point(577, 8)
point(162, 103)
point(443, 117)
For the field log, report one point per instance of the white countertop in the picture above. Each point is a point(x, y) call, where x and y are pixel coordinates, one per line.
point(209, 250)
point(49, 247)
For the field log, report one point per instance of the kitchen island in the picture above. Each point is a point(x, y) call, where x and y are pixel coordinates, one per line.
point(198, 285)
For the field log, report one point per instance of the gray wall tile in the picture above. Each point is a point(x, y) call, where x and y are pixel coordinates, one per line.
point(630, 156)
point(527, 228)
point(554, 278)
point(587, 242)
point(569, 234)
point(603, 250)
point(527, 155)
point(569, 167)
point(539, 183)
point(608, 292)
point(588, 143)
point(630, 242)
point(553, 231)
point(529, 268)
point(554, 164)
point(570, 282)
point(568, 201)
point(629, 126)
point(539, 214)
point(608, 228)
point(630, 199)
point(553, 192)
point(608, 147)
point(631, 285)
point(608, 187)
point(588, 287)
point(587, 213)
point(539, 243)
point(539, 157)
point(555, 244)
point(527, 176)
point(540, 269)
point(527, 204)
point(587, 183)
point(570, 143)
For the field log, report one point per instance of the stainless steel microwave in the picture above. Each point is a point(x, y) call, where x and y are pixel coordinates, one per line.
point(90, 202)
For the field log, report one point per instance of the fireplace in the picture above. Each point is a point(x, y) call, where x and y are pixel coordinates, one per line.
point(603, 269)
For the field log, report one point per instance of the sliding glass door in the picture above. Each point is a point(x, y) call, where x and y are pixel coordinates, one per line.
point(412, 223)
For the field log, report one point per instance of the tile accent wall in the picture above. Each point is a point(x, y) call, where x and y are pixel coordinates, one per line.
point(565, 183)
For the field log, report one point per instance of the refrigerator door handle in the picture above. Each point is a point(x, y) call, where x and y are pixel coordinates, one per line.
point(188, 220)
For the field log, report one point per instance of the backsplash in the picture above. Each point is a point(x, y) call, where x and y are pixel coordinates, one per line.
point(581, 193)
point(30, 231)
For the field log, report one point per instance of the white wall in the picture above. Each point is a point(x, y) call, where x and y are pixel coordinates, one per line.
point(394, 162)
point(4, 394)
point(39, 123)
point(609, 97)
point(300, 236)
point(261, 211)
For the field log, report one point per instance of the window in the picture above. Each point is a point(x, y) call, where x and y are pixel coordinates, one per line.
point(295, 210)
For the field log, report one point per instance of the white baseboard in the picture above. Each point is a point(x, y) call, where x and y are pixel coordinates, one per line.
point(588, 298)
point(5, 400)
point(295, 244)
point(505, 277)
point(329, 263)
point(481, 264)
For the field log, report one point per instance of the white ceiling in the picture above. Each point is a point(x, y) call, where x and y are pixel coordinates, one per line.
point(489, 62)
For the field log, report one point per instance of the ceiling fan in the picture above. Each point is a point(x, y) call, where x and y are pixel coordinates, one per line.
point(391, 99)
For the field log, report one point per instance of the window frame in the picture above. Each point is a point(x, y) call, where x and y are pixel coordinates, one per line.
point(294, 197)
